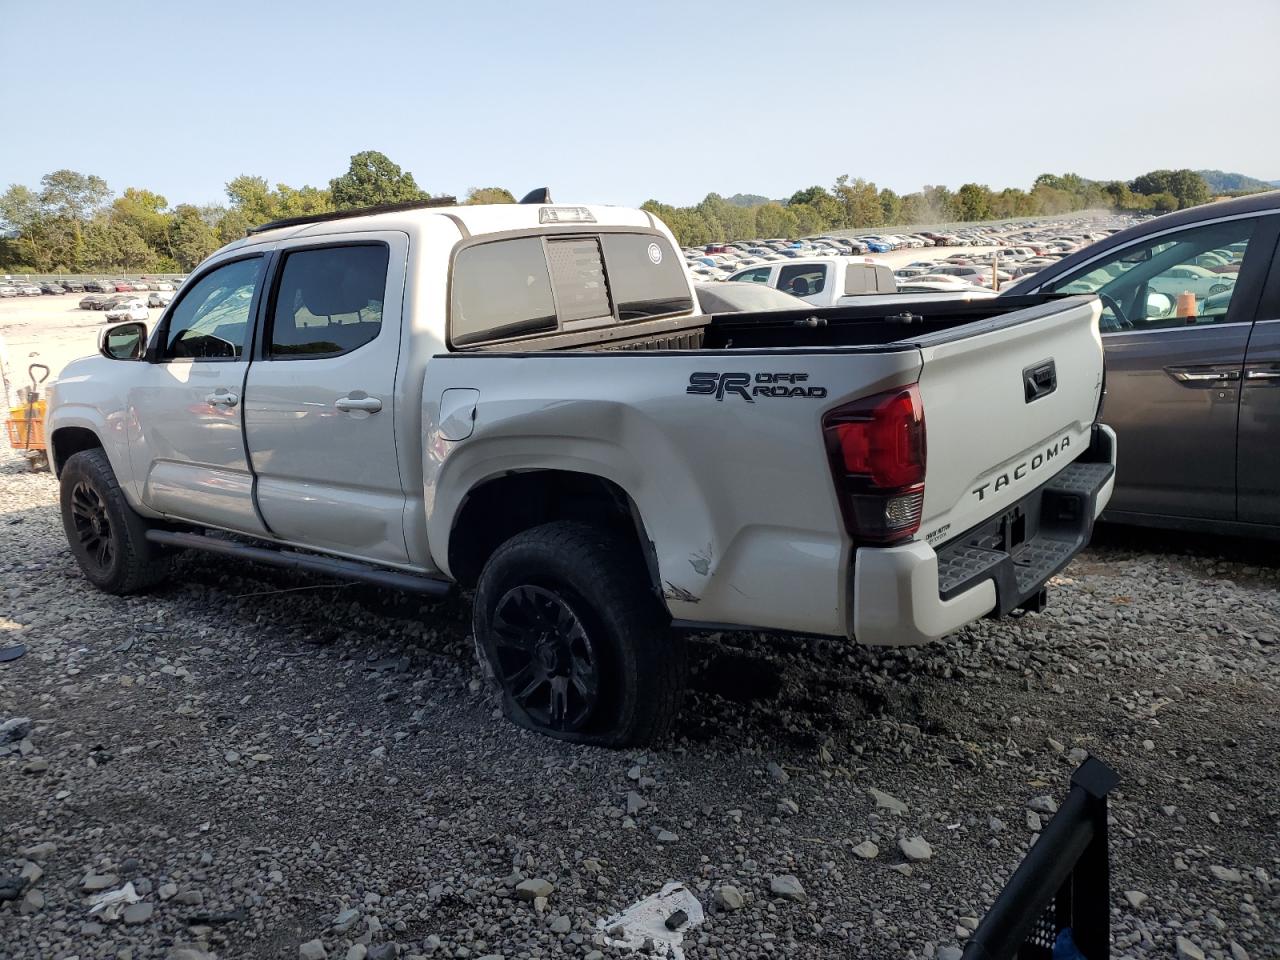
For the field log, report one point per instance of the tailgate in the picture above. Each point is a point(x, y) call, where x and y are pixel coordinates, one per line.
point(1008, 403)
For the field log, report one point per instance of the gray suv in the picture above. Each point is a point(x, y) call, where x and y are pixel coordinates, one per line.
point(1191, 326)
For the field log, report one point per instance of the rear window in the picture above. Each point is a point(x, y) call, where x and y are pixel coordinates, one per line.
point(531, 285)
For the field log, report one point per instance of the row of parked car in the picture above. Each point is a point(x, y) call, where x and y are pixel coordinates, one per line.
point(37, 288)
point(1026, 245)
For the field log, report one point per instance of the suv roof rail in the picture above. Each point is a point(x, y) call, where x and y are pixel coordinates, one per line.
point(445, 201)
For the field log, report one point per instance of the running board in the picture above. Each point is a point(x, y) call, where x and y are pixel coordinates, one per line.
point(311, 563)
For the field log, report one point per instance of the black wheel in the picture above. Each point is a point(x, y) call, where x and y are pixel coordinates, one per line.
point(578, 645)
point(107, 538)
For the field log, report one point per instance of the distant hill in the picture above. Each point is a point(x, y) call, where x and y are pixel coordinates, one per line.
point(746, 200)
point(1222, 182)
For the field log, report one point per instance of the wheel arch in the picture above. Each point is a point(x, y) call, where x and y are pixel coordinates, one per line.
point(498, 508)
point(68, 440)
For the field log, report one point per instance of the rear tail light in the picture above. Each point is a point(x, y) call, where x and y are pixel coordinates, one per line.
point(876, 448)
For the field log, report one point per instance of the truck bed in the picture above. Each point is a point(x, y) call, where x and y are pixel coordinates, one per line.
point(870, 326)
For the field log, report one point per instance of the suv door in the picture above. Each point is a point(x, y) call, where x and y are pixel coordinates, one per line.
point(184, 426)
point(320, 401)
point(1258, 463)
point(1174, 359)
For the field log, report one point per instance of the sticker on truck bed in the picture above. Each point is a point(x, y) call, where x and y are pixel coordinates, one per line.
point(749, 386)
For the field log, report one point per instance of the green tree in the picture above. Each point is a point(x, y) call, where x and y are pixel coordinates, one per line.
point(490, 195)
point(891, 206)
point(191, 238)
point(820, 199)
point(775, 220)
point(66, 193)
point(973, 202)
point(373, 180)
point(859, 202)
point(1187, 186)
point(143, 212)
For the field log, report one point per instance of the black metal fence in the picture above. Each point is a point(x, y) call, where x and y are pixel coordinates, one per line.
point(1063, 883)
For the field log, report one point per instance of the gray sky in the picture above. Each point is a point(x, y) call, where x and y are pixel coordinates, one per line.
point(618, 103)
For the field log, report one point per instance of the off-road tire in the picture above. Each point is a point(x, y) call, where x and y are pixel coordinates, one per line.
point(133, 564)
point(600, 576)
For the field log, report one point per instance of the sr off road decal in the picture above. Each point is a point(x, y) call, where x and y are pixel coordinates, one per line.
point(749, 386)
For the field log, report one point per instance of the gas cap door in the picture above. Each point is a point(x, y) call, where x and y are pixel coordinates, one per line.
point(458, 412)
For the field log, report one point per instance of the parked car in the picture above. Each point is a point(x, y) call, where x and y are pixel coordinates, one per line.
point(28, 289)
point(49, 288)
point(100, 286)
point(159, 298)
point(93, 301)
point(72, 286)
point(139, 286)
point(122, 286)
point(571, 444)
point(1193, 392)
point(8, 290)
point(131, 309)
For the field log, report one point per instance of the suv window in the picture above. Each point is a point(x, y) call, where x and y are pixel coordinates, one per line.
point(528, 285)
point(1164, 282)
point(329, 300)
point(211, 321)
point(802, 280)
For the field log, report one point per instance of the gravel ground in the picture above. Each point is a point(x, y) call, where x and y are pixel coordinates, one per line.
point(283, 768)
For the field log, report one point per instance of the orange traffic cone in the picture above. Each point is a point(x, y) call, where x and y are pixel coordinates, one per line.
point(1186, 308)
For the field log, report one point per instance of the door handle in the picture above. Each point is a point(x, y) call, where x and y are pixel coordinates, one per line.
point(1261, 373)
point(222, 399)
point(368, 404)
point(1203, 376)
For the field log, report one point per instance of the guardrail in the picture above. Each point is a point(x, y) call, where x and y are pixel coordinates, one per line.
point(1063, 883)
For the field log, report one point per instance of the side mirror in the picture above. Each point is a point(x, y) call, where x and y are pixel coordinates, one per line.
point(124, 341)
point(1159, 306)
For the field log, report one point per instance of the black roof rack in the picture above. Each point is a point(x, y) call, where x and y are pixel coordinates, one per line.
point(360, 212)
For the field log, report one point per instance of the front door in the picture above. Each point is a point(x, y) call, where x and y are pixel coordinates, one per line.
point(184, 408)
point(1175, 342)
point(320, 398)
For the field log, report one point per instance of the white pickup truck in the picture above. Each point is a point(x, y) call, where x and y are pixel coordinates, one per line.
point(525, 401)
point(840, 281)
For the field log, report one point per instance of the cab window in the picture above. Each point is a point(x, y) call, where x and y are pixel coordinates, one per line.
point(211, 321)
point(802, 280)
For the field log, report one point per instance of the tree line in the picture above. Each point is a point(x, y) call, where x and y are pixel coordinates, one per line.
point(74, 223)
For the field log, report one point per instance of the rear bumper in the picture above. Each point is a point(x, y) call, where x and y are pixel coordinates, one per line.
point(912, 594)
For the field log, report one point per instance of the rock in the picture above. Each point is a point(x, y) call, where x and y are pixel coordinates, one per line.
point(1226, 874)
point(313, 950)
point(1045, 804)
point(884, 801)
point(529, 890)
point(137, 913)
point(1136, 898)
point(594, 955)
point(15, 728)
point(866, 850)
point(1034, 823)
point(728, 897)
point(1188, 950)
point(902, 868)
point(968, 923)
point(1078, 755)
point(190, 898)
point(1057, 746)
point(777, 774)
point(167, 890)
point(382, 951)
point(1238, 952)
point(31, 872)
point(11, 887)
point(183, 951)
point(916, 849)
point(995, 824)
point(357, 951)
point(38, 765)
point(39, 851)
point(788, 807)
point(787, 887)
point(666, 836)
point(345, 918)
point(561, 924)
point(635, 803)
point(97, 882)
point(949, 953)
point(32, 902)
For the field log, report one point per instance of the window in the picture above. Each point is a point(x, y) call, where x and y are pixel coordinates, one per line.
point(501, 289)
point(211, 321)
point(758, 275)
point(504, 288)
point(329, 301)
point(802, 280)
point(1169, 281)
point(577, 274)
point(645, 276)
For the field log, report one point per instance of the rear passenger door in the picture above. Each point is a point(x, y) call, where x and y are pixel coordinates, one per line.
point(1258, 471)
point(320, 397)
